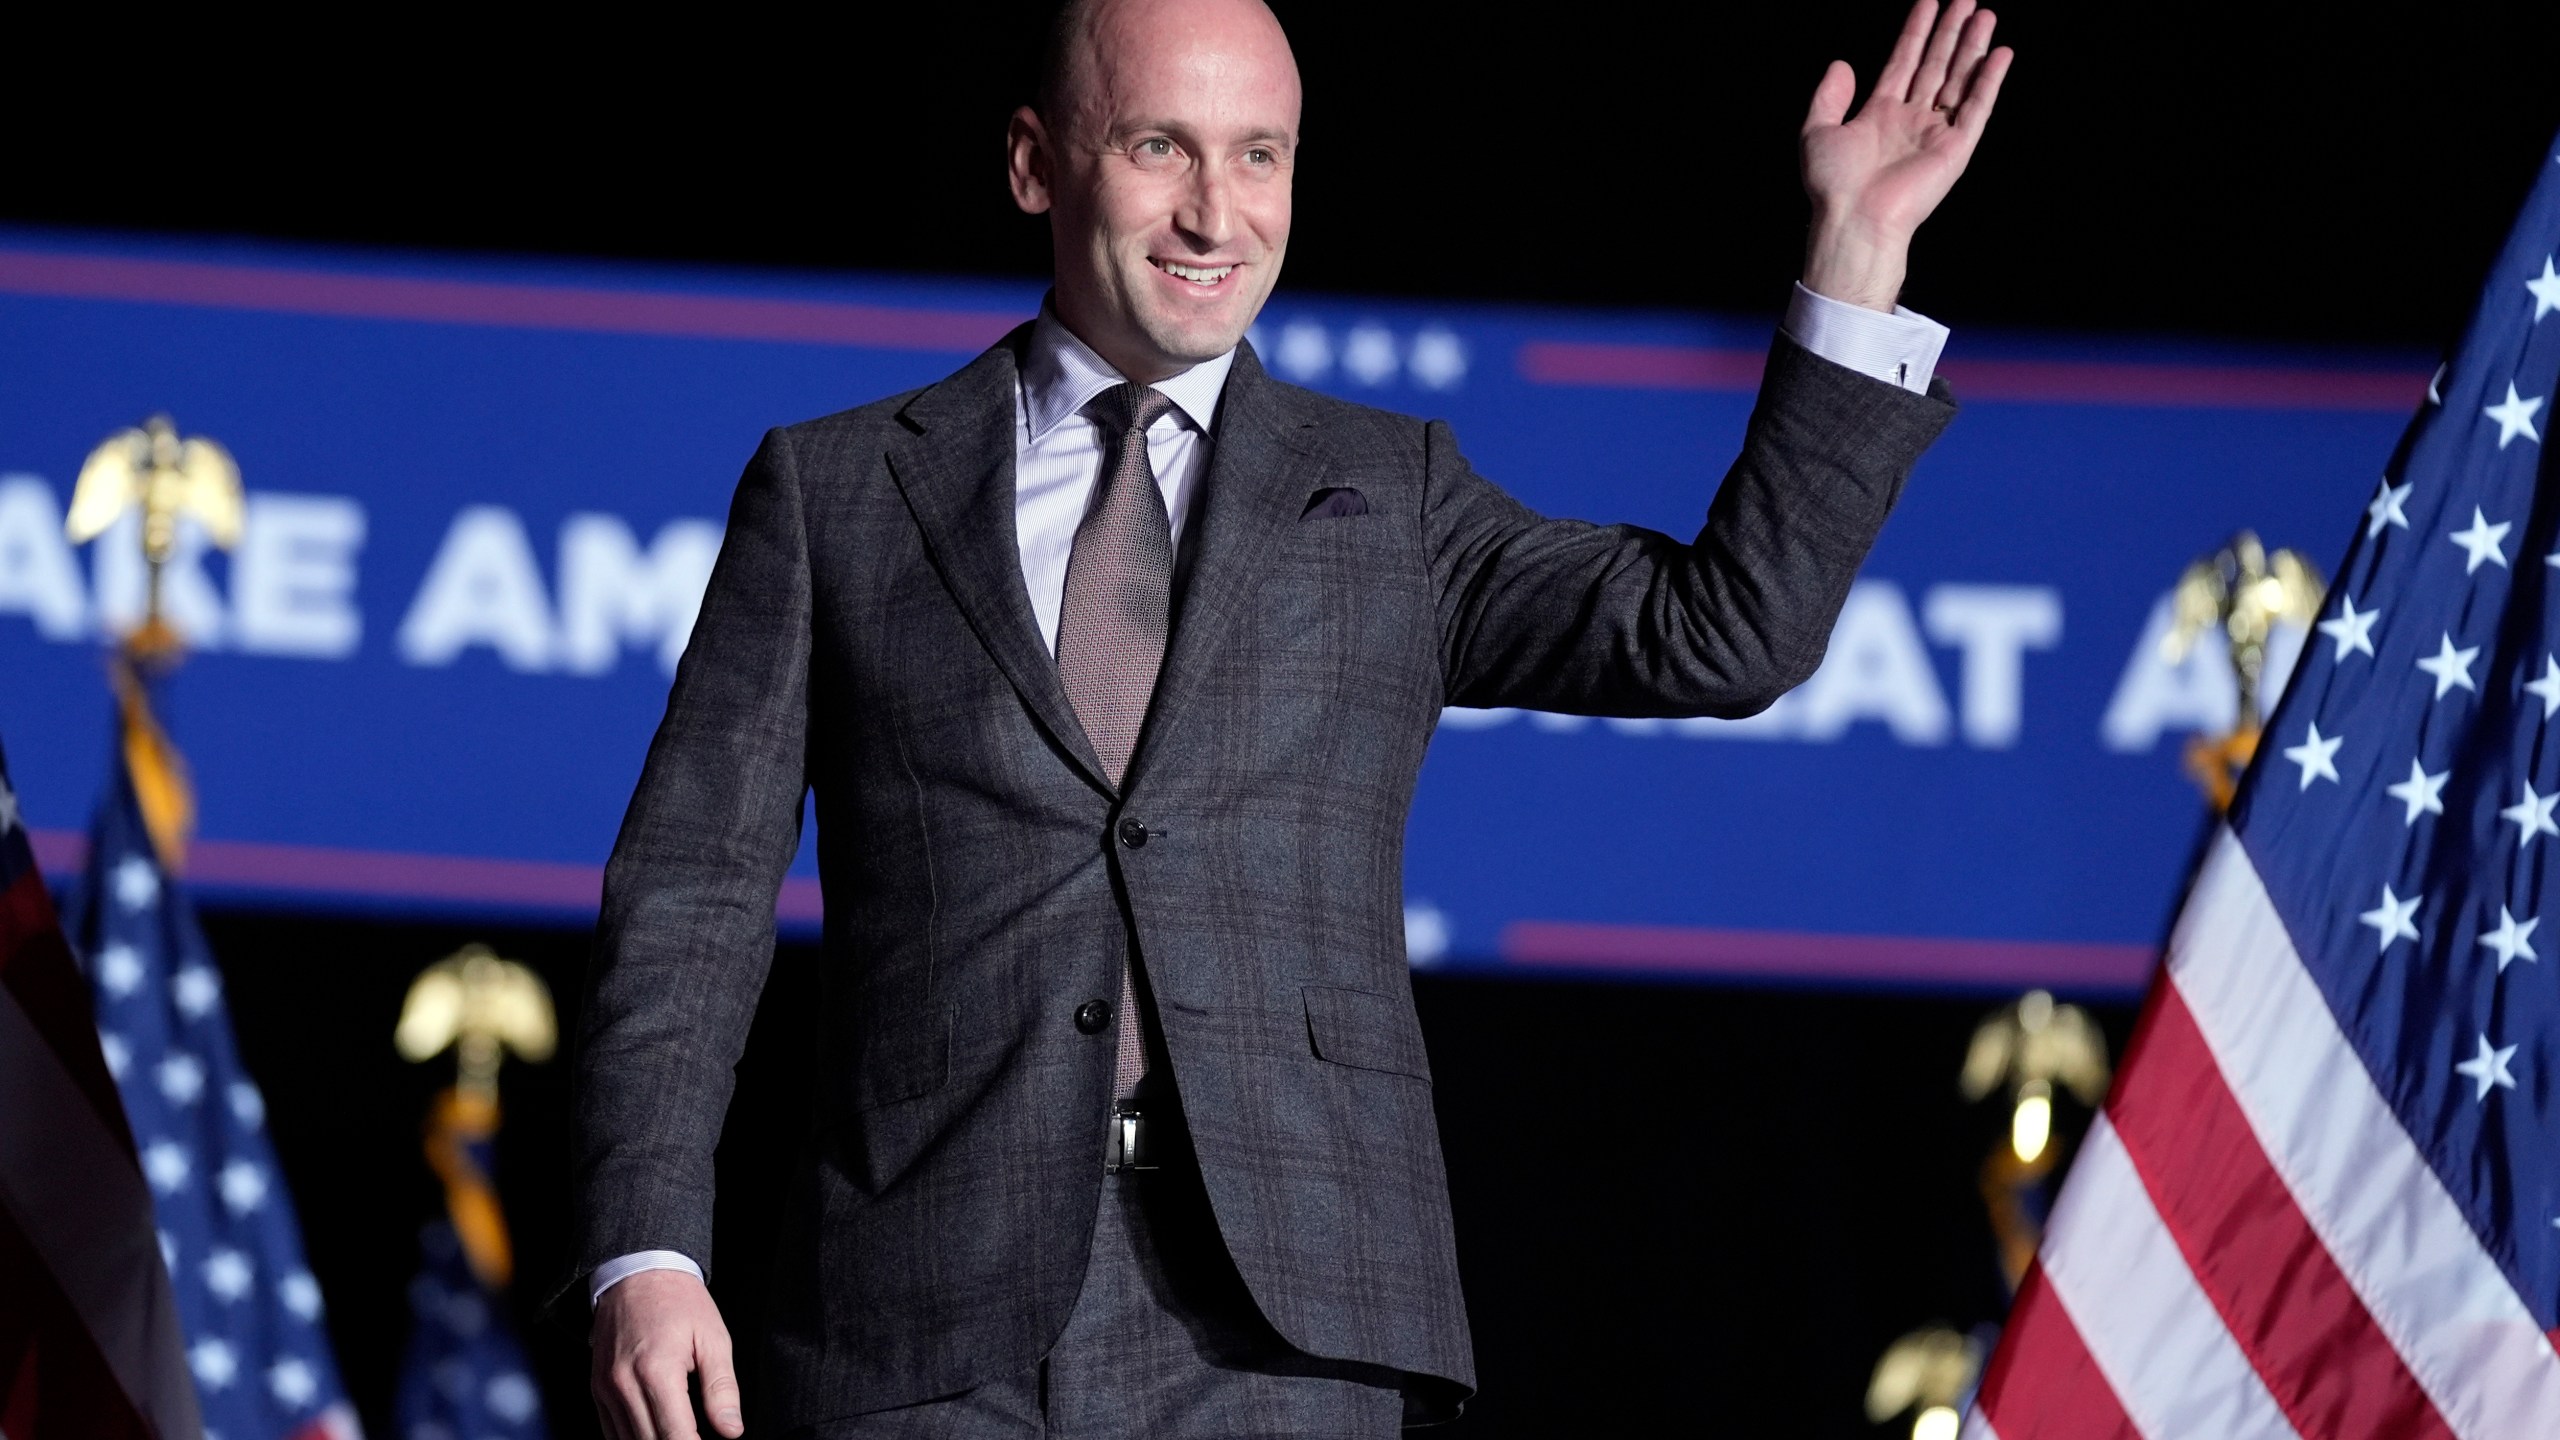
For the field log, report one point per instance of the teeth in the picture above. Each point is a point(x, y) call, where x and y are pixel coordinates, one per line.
point(1194, 273)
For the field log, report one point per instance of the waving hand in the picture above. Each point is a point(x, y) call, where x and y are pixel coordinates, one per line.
point(1873, 178)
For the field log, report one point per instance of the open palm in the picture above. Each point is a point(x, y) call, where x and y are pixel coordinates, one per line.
point(1874, 178)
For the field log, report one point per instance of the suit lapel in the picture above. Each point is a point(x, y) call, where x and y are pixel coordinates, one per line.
point(955, 466)
point(1260, 472)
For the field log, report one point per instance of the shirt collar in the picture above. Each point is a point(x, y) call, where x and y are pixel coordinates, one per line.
point(1061, 375)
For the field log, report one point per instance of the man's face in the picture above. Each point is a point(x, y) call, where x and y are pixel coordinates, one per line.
point(1166, 179)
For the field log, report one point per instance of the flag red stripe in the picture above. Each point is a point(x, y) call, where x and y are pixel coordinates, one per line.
point(53, 1383)
point(37, 967)
point(2276, 1286)
point(2043, 1384)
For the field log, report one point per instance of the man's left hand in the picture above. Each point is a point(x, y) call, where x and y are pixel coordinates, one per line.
point(1873, 179)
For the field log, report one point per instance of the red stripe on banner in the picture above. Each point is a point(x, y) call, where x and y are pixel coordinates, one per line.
point(54, 1385)
point(527, 307)
point(2276, 1286)
point(2034, 382)
point(1796, 955)
point(36, 965)
point(2043, 1384)
point(391, 875)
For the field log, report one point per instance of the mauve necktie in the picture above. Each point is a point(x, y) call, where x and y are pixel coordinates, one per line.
point(1113, 619)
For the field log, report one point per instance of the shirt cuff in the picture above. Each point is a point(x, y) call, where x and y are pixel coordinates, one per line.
point(622, 1267)
point(1900, 349)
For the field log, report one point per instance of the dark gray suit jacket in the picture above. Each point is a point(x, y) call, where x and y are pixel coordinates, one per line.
point(867, 636)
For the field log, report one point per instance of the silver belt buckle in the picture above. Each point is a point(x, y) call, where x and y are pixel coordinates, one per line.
point(1129, 1148)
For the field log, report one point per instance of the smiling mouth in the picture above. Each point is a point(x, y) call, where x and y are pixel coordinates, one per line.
point(1204, 276)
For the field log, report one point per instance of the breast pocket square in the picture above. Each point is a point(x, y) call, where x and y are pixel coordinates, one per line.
point(1334, 502)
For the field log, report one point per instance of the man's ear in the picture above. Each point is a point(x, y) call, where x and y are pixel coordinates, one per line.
point(1030, 164)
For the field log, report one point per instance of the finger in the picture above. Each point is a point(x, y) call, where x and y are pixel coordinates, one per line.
point(1942, 48)
point(1975, 112)
point(719, 1383)
point(1968, 60)
point(1831, 97)
point(1895, 78)
point(608, 1409)
point(631, 1399)
point(670, 1403)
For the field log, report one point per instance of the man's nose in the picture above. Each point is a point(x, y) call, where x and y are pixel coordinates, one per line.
point(1207, 214)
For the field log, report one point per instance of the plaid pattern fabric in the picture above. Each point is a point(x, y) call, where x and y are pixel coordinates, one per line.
point(868, 637)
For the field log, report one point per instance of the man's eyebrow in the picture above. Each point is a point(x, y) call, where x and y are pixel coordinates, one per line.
point(1179, 129)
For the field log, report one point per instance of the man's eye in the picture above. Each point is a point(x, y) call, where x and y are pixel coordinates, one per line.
point(1260, 156)
point(1157, 149)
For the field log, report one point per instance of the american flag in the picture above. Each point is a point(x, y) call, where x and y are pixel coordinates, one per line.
point(250, 1307)
point(89, 1342)
point(2324, 1199)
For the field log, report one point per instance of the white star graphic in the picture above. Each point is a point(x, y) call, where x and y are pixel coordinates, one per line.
point(2548, 687)
point(292, 1383)
point(1439, 359)
point(119, 969)
point(2512, 939)
point(118, 1054)
point(2515, 416)
point(2390, 920)
point(213, 1363)
point(1305, 352)
point(244, 1187)
point(227, 1275)
point(300, 1294)
point(181, 1078)
point(2489, 1068)
point(2435, 382)
point(2421, 792)
point(2317, 757)
point(2482, 541)
point(2532, 815)
point(8, 809)
point(195, 989)
point(247, 1106)
point(164, 1164)
point(512, 1397)
point(1369, 353)
point(2451, 667)
point(2546, 291)
point(2352, 630)
point(2385, 508)
point(137, 884)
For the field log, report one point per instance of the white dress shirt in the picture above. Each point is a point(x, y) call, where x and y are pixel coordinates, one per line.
point(1057, 461)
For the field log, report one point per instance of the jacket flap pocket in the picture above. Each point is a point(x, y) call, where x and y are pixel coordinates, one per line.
point(1366, 1031)
point(904, 1059)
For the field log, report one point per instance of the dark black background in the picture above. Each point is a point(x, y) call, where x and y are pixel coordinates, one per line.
point(1680, 1209)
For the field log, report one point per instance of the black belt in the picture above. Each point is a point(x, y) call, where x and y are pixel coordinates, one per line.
point(1143, 1137)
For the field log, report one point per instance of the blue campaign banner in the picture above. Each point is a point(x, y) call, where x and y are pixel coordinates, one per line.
point(483, 497)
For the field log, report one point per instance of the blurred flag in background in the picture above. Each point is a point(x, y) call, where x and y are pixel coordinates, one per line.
point(89, 1335)
point(260, 1358)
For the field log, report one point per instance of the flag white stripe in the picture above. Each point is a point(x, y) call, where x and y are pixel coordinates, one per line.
point(2395, 1232)
point(2156, 1337)
point(79, 1200)
point(1975, 1427)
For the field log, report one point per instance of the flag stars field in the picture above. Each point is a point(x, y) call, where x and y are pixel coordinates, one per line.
point(2482, 542)
point(2394, 919)
point(2350, 628)
point(2317, 755)
point(2488, 1069)
point(2385, 509)
point(2515, 416)
point(2547, 689)
point(2421, 792)
point(2450, 667)
point(2545, 289)
point(2512, 940)
point(2531, 815)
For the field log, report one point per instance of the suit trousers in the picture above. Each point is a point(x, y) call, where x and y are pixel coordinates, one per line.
point(1165, 1343)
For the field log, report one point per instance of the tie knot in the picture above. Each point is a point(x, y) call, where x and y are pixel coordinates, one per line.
point(1128, 406)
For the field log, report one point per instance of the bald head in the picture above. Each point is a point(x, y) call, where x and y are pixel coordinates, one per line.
point(1161, 147)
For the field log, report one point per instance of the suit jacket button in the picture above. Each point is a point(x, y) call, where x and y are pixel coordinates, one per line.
point(1093, 1016)
point(1132, 834)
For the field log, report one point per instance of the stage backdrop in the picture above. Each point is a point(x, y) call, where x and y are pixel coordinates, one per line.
point(483, 497)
